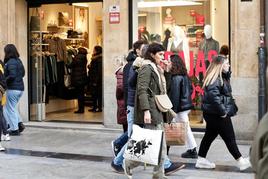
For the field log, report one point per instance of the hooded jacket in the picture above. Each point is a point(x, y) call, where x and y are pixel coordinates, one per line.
point(130, 59)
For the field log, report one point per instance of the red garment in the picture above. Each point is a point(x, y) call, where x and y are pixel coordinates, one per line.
point(121, 111)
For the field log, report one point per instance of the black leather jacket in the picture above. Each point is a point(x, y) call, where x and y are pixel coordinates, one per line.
point(180, 93)
point(218, 98)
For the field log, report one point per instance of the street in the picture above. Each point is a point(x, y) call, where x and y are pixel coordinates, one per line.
point(66, 153)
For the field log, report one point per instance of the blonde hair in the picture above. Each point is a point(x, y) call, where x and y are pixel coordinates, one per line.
point(214, 71)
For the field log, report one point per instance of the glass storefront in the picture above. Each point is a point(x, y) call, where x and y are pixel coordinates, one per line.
point(57, 34)
point(185, 27)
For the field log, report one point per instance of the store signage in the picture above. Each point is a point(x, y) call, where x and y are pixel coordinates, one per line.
point(114, 14)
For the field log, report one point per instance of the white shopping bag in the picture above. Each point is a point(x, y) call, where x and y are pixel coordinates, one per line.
point(144, 145)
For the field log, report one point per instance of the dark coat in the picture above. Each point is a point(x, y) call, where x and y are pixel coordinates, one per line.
point(132, 83)
point(121, 112)
point(218, 99)
point(147, 87)
point(14, 73)
point(130, 59)
point(95, 71)
point(180, 93)
point(79, 70)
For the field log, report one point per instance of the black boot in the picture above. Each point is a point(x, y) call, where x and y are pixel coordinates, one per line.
point(168, 147)
point(191, 153)
point(79, 111)
point(21, 127)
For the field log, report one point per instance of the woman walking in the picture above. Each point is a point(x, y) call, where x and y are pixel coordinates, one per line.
point(14, 73)
point(150, 82)
point(180, 96)
point(218, 107)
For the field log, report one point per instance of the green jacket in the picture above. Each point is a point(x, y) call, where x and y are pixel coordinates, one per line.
point(147, 87)
point(259, 150)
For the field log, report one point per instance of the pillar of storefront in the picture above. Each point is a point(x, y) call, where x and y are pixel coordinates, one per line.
point(244, 45)
point(13, 29)
point(115, 45)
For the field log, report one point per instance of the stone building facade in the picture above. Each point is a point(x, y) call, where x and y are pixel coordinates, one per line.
point(244, 29)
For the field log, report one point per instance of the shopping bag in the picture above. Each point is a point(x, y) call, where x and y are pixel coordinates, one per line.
point(175, 133)
point(144, 145)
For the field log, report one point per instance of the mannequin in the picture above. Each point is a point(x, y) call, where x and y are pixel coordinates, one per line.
point(169, 21)
point(208, 43)
point(179, 42)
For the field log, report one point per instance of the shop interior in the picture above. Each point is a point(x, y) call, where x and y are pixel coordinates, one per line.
point(157, 20)
point(57, 32)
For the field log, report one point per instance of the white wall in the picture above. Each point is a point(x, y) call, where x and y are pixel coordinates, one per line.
point(219, 21)
point(95, 12)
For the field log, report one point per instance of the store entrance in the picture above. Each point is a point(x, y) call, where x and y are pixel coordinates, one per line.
point(65, 62)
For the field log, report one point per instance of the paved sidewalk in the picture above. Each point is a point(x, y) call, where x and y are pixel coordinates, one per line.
point(66, 153)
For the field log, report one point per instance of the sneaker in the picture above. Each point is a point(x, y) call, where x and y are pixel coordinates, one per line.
point(191, 153)
point(14, 133)
point(243, 163)
point(117, 168)
point(115, 149)
point(204, 163)
point(5, 137)
point(21, 126)
point(175, 166)
point(2, 148)
point(127, 170)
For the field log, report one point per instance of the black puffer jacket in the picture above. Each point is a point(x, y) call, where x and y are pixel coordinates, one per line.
point(180, 93)
point(79, 72)
point(14, 73)
point(218, 99)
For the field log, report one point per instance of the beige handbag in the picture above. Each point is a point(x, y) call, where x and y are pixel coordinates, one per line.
point(175, 133)
point(163, 102)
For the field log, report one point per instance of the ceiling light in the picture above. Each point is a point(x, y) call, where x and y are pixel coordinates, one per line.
point(146, 4)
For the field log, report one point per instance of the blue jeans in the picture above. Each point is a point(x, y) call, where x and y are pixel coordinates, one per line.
point(121, 140)
point(11, 113)
point(118, 160)
point(130, 119)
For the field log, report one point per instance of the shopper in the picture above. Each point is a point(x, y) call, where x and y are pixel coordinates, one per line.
point(218, 107)
point(180, 96)
point(14, 73)
point(79, 77)
point(150, 76)
point(259, 148)
point(118, 144)
point(95, 79)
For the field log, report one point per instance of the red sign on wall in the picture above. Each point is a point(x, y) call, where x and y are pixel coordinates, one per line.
point(114, 14)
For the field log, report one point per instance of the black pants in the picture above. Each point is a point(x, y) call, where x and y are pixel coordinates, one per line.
point(80, 97)
point(222, 126)
point(97, 98)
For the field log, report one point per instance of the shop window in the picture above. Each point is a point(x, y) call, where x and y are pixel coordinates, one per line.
point(180, 26)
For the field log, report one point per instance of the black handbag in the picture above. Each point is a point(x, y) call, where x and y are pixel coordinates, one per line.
point(35, 21)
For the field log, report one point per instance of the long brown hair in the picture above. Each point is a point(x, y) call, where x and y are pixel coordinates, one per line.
point(178, 66)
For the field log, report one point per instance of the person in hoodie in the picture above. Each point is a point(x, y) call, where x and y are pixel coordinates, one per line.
point(119, 143)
